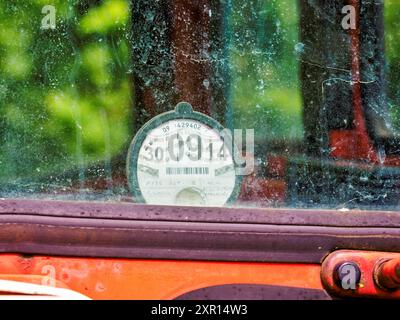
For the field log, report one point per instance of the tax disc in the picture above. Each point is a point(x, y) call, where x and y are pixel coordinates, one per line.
point(184, 158)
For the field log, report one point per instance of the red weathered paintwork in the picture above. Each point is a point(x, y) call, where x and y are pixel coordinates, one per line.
point(150, 279)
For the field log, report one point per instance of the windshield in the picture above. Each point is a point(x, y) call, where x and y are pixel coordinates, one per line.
point(309, 92)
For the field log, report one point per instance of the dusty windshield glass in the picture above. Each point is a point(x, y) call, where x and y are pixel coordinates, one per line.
point(211, 103)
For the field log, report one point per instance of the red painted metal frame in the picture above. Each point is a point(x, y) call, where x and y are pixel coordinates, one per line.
point(356, 143)
point(351, 144)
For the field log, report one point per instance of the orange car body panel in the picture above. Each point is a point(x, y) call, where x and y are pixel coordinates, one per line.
point(151, 279)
